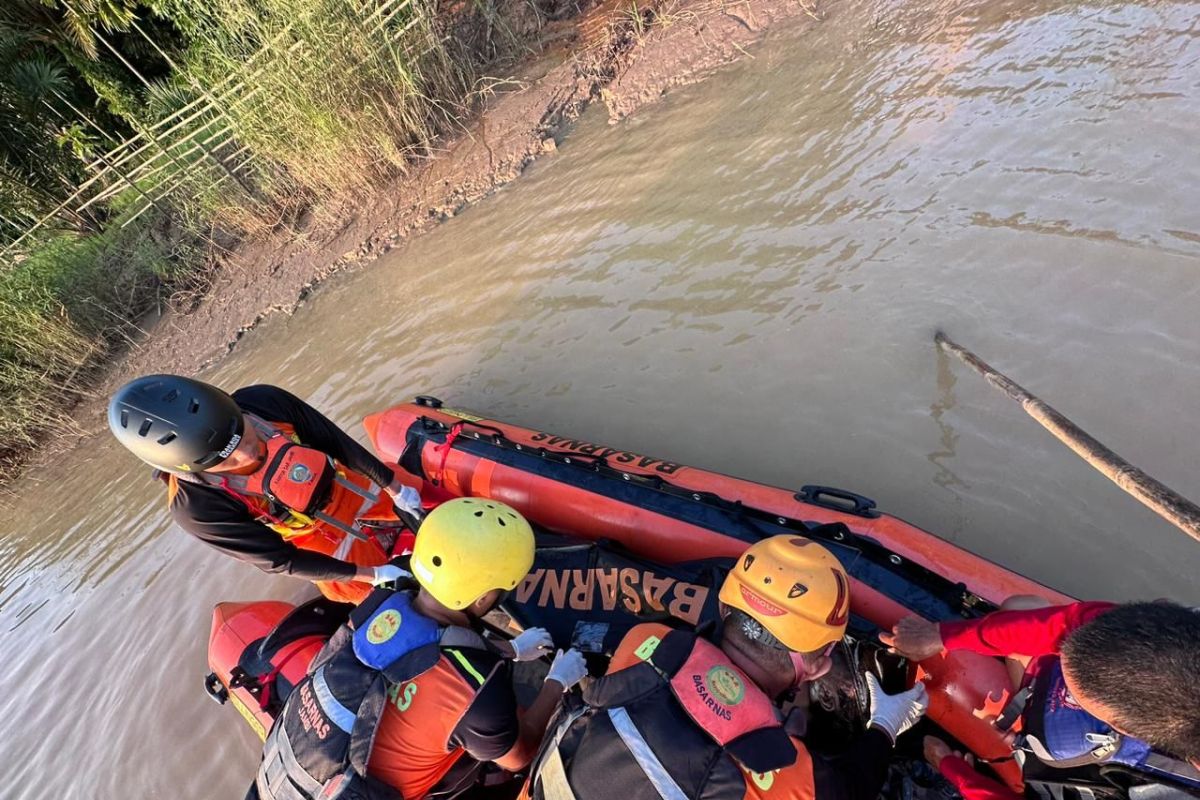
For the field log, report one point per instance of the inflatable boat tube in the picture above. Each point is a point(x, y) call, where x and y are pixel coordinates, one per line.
point(258, 651)
point(667, 512)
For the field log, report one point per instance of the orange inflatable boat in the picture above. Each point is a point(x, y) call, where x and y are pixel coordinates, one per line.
point(665, 513)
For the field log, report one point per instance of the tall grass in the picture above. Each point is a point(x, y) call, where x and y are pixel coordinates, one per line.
point(65, 306)
point(331, 96)
point(275, 105)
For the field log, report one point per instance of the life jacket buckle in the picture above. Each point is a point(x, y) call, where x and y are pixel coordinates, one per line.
point(1106, 744)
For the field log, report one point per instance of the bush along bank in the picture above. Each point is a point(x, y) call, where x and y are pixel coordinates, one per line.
point(172, 129)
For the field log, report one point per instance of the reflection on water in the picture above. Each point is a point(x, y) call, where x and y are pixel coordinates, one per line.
point(748, 279)
point(945, 401)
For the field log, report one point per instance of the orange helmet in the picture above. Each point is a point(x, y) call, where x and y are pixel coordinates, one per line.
point(794, 588)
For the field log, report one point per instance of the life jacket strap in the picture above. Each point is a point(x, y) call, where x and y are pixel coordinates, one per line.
point(354, 531)
point(337, 713)
point(646, 760)
point(1014, 708)
point(550, 772)
point(552, 778)
point(280, 776)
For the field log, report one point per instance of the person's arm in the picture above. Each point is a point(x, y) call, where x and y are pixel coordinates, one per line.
point(567, 670)
point(221, 522)
point(532, 728)
point(1034, 632)
point(314, 429)
point(857, 774)
point(971, 784)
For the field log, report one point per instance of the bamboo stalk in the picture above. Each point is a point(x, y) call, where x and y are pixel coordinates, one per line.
point(1162, 500)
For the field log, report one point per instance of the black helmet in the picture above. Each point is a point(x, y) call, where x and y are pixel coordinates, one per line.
point(175, 423)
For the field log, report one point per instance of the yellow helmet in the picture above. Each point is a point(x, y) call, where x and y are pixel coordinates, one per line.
point(794, 588)
point(469, 546)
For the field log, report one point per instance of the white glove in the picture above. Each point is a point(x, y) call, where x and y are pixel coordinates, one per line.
point(388, 573)
point(407, 499)
point(532, 644)
point(895, 713)
point(568, 668)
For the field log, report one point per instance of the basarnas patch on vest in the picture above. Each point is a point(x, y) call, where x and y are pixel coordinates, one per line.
point(720, 689)
point(384, 626)
point(725, 685)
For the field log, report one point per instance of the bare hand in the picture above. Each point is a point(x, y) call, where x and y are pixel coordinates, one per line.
point(914, 638)
point(936, 750)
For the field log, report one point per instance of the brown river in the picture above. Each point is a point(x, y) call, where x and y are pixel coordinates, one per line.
point(747, 278)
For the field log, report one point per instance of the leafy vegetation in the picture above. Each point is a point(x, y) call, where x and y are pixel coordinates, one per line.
point(128, 127)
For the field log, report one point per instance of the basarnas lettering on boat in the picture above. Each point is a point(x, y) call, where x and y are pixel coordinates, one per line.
point(607, 453)
point(639, 592)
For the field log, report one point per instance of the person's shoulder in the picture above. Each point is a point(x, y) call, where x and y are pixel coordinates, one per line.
point(474, 665)
point(261, 393)
point(638, 645)
point(795, 781)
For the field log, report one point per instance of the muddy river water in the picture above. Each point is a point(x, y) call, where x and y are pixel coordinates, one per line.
point(747, 278)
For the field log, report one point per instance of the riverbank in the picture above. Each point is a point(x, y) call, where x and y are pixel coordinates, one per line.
point(624, 56)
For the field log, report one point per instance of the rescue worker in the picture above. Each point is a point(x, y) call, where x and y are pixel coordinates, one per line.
point(678, 716)
point(1104, 695)
point(266, 478)
point(408, 700)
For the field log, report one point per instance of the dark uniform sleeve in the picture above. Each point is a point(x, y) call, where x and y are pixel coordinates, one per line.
point(857, 774)
point(314, 428)
point(221, 521)
point(491, 726)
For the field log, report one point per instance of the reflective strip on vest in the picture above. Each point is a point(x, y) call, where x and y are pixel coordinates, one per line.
point(553, 778)
point(654, 770)
point(337, 713)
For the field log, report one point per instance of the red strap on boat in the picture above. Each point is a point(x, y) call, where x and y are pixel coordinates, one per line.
point(444, 449)
point(267, 679)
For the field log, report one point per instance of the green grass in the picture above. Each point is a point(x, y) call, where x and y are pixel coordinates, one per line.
point(307, 102)
point(65, 307)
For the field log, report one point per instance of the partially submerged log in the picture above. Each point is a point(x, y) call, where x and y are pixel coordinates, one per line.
point(1168, 504)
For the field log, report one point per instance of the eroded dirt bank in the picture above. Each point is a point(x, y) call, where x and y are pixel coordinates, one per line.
point(625, 55)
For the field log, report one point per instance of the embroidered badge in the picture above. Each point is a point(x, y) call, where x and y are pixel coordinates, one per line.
point(384, 626)
point(724, 686)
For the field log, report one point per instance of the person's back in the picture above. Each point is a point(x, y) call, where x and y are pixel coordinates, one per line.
point(440, 728)
point(408, 700)
point(677, 716)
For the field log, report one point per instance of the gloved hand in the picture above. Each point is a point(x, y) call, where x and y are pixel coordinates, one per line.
point(388, 573)
point(895, 713)
point(532, 644)
point(405, 498)
point(568, 668)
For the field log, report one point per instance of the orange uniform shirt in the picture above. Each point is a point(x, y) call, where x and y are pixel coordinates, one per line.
point(438, 729)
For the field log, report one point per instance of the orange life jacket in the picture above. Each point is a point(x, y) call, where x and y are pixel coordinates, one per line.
point(312, 501)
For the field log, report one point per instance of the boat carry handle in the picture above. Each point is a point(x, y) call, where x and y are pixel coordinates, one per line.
point(428, 401)
point(215, 690)
point(837, 500)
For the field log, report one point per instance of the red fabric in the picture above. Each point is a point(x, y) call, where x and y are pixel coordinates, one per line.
point(1033, 633)
point(973, 785)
